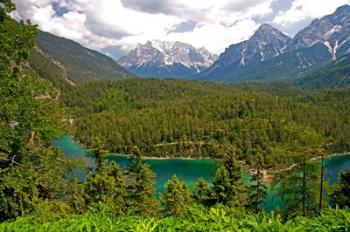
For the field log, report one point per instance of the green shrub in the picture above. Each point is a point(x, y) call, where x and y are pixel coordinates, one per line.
point(218, 218)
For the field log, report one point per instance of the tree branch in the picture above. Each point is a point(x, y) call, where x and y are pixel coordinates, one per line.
point(13, 161)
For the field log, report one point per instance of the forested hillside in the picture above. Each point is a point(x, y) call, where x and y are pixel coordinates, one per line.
point(59, 59)
point(335, 75)
point(188, 119)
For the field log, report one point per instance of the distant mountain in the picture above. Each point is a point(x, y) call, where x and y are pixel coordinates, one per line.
point(335, 75)
point(266, 43)
point(333, 31)
point(58, 59)
point(285, 67)
point(270, 55)
point(167, 59)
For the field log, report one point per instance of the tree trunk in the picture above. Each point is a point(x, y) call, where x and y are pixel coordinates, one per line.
point(258, 190)
point(321, 183)
point(21, 204)
point(304, 187)
point(32, 137)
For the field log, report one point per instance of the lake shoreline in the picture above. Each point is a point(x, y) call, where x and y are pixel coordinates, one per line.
point(203, 158)
point(268, 173)
point(164, 158)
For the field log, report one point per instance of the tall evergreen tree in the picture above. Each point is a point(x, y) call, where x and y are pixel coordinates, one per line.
point(257, 190)
point(227, 182)
point(99, 189)
point(320, 204)
point(76, 196)
point(99, 153)
point(298, 188)
point(176, 198)
point(203, 193)
point(119, 188)
point(341, 194)
point(108, 184)
point(140, 186)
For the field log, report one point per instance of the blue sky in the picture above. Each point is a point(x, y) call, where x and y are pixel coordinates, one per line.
point(114, 27)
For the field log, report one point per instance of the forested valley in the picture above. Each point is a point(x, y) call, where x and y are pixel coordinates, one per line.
point(269, 126)
point(174, 118)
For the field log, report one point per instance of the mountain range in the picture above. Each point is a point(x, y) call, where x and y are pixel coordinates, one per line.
point(270, 55)
point(316, 57)
point(167, 59)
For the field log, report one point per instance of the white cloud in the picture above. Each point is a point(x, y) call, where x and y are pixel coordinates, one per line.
point(307, 9)
point(99, 24)
point(224, 36)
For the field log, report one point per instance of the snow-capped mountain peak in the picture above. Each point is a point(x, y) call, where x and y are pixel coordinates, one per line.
point(167, 59)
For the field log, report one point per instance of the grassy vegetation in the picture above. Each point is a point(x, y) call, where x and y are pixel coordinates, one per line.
point(219, 218)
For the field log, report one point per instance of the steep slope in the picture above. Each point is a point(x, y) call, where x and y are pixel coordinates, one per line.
point(266, 43)
point(324, 40)
point(166, 59)
point(285, 67)
point(335, 75)
point(333, 31)
point(60, 59)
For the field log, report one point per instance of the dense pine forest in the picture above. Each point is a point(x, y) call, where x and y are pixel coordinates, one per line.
point(268, 126)
point(190, 119)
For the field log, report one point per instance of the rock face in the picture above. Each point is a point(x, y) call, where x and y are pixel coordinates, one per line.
point(332, 30)
point(167, 60)
point(266, 43)
point(270, 55)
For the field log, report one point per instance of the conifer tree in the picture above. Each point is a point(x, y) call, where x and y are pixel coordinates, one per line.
point(99, 185)
point(341, 194)
point(76, 196)
point(119, 188)
point(99, 189)
point(320, 204)
point(227, 182)
point(203, 194)
point(257, 190)
point(298, 188)
point(140, 186)
point(99, 153)
point(176, 198)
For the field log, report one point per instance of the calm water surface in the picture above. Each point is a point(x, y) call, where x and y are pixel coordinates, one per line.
point(190, 170)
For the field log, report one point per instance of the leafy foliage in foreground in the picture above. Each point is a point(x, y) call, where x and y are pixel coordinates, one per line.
point(32, 174)
point(218, 218)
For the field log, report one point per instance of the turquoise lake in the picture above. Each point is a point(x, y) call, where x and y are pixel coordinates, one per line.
point(190, 170)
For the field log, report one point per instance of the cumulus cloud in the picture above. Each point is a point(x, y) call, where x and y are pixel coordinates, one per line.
point(235, 33)
point(116, 26)
point(302, 12)
point(151, 6)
